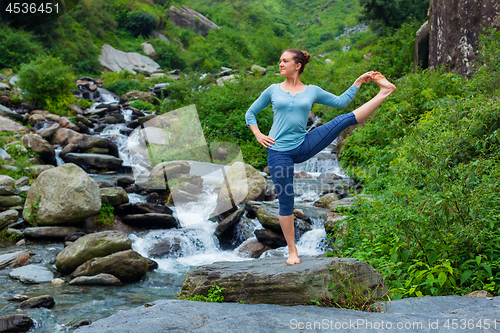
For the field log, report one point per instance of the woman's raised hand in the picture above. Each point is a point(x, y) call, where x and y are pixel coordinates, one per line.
point(364, 78)
point(264, 140)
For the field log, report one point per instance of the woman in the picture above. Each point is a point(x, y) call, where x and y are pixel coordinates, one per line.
point(289, 142)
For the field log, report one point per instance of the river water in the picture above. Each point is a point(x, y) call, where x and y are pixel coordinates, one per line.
point(198, 246)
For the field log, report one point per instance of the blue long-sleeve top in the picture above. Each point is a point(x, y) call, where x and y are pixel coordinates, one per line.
point(291, 112)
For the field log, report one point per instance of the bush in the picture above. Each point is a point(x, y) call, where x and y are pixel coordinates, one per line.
point(141, 23)
point(17, 47)
point(46, 80)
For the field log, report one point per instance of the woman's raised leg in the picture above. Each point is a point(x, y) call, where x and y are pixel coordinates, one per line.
point(386, 88)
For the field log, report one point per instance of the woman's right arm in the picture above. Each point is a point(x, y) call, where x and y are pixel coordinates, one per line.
point(257, 106)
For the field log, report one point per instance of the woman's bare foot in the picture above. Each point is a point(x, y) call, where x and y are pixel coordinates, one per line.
point(293, 258)
point(386, 87)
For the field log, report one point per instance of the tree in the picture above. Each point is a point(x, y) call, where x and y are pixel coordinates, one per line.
point(393, 13)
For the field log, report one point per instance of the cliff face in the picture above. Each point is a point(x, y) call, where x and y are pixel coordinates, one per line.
point(455, 26)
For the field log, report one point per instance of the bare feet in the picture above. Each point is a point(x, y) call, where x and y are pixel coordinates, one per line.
point(386, 87)
point(293, 258)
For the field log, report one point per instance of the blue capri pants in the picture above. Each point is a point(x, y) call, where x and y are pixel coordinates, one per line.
point(280, 163)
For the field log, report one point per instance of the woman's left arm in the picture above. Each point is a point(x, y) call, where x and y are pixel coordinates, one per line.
point(326, 98)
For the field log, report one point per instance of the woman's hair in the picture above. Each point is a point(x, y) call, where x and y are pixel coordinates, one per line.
point(300, 57)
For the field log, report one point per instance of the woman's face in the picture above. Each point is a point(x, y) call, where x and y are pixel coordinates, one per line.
point(288, 65)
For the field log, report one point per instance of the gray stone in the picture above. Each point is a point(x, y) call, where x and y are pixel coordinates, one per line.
point(3, 87)
point(6, 112)
point(7, 125)
point(23, 181)
point(270, 238)
point(166, 247)
point(145, 96)
point(8, 167)
point(31, 274)
point(114, 196)
point(102, 279)
point(15, 323)
point(48, 132)
point(5, 155)
point(14, 259)
point(8, 217)
point(229, 222)
point(186, 316)
point(50, 232)
point(41, 146)
point(10, 201)
point(22, 190)
point(91, 246)
point(44, 301)
point(98, 161)
point(64, 195)
point(6, 181)
point(252, 248)
point(259, 69)
point(151, 221)
point(116, 60)
point(98, 142)
point(6, 190)
point(128, 266)
point(37, 170)
point(187, 18)
point(284, 284)
point(166, 169)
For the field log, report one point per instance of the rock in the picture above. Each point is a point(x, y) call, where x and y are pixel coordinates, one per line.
point(284, 285)
point(7, 125)
point(252, 248)
point(66, 123)
point(64, 195)
point(10, 201)
point(23, 181)
point(269, 217)
point(5, 155)
point(63, 136)
point(152, 265)
point(37, 170)
point(21, 242)
point(157, 179)
point(148, 49)
point(8, 217)
point(114, 196)
point(151, 221)
point(91, 246)
point(449, 43)
point(303, 174)
point(35, 119)
point(125, 181)
point(167, 247)
point(18, 298)
point(16, 323)
point(57, 282)
point(221, 80)
point(6, 181)
point(245, 183)
point(102, 279)
point(8, 113)
point(50, 232)
point(422, 47)
point(128, 266)
point(14, 259)
point(115, 61)
point(98, 142)
point(229, 222)
point(44, 301)
point(328, 176)
point(32, 274)
point(325, 200)
point(270, 238)
point(187, 18)
point(40, 146)
point(98, 161)
point(258, 69)
point(70, 148)
point(479, 293)
point(145, 96)
point(141, 208)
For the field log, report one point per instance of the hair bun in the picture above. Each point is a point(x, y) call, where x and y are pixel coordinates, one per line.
point(306, 56)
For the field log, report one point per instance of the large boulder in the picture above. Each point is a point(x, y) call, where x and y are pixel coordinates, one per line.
point(145, 96)
point(93, 142)
point(91, 246)
point(7, 181)
point(151, 221)
point(63, 136)
point(128, 266)
point(284, 285)
point(41, 146)
point(187, 18)
point(7, 125)
point(10, 201)
point(61, 196)
point(116, 60)
point(242, 184)
point(98, 161)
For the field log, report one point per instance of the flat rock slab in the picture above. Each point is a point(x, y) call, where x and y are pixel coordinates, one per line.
point(426, 314)
point(32, 274)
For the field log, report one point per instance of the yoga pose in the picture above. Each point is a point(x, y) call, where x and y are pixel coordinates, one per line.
point(289, 142)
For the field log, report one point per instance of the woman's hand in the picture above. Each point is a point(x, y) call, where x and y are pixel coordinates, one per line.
point(364, 78)
point(264, 140)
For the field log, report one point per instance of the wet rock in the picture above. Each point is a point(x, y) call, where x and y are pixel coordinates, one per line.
point(151, 221)
point(98, 142)
point(245, 228)
point(8, 113)
point(18, 298)
point(74, 236)
point(145, 96)
point(229, 222)
point(64, 195)
point(50, 232)
point(166, 247)
point(16, 323)
point(97, 161)
point(7, 181)
point(152, 265)
point(14, 259)
point(57, 282)
point(35, 118)
point(252, 248)
point(270, 238)
point(32, 274)
point(163, 171)
point(325, 200)
point(44, 301)
point(6, 190)
point(332, 223)
point(7, 125)
point(128, 266)
point(21, 242)
point(328, 176)
point(303, 174)
point(102, 279)
point(125, 181)
point(10, 201)
point(141, 208)
point(41, 146)
point(245, 184)
point(91, 246)
point(36, 170)
point(114, 196)
point(285, 285)
point(63, 136)
point(8, 217)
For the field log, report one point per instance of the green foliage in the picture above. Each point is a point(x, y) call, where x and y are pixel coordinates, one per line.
point(214, 296)
point(84, 103)
point(106, 216)
point(393, 14)
point(140, 23)
point(141, 105)
point(46, 80)
point(123, 82)
point(17, 47)
point(31, 213)
point(169, 55)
